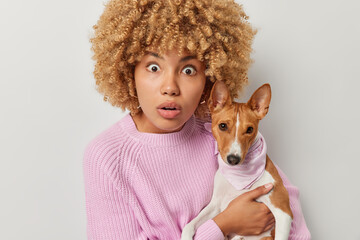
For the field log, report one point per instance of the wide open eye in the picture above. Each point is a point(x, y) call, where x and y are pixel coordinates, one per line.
point(189, 70)
point(249, 130)
point(153, 67)
point(223, 126)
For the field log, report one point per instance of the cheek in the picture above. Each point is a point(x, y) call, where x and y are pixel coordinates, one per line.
point(194, 90)
point(145, 87)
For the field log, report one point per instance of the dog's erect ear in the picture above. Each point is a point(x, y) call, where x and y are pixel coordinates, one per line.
point(219, 96)
point(260, 101)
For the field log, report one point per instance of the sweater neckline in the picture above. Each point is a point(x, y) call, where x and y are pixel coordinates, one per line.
point(158, 139)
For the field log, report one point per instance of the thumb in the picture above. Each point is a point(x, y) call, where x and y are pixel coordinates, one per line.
point(259, 191)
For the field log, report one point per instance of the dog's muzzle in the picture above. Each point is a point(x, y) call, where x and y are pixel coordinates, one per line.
point(233, 159)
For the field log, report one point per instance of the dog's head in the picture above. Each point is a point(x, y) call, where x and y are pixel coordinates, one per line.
point(235, 125)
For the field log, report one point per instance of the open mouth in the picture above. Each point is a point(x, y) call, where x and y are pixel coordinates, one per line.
point(169, 110)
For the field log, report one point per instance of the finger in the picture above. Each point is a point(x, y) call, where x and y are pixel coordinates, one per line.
point(271, 216)
point(269, 226)
point(271, 220)
point(259, 191)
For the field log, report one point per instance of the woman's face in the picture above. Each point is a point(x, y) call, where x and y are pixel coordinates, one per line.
point(169, 89)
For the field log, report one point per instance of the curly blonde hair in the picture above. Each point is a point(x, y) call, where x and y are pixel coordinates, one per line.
point(215, 31)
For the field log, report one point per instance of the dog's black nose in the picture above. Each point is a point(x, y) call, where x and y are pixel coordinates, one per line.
point(233, 159)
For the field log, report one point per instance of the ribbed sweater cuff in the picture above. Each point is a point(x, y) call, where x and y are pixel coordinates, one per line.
point(209, 231)
point(300, 237)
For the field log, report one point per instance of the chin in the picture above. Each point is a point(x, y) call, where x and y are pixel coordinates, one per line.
point(171, 125)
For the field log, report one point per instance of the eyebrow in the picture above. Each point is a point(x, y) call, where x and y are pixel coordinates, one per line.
point(184, 59)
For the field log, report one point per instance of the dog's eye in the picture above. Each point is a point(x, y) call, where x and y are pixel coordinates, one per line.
point(223, 126)
point(249, 130)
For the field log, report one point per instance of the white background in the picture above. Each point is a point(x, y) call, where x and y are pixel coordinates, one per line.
point(49, 110)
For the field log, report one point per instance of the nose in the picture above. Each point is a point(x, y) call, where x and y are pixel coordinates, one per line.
point(233, 159)
point(169, 86)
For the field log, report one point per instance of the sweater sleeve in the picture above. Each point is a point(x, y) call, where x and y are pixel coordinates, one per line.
point(209, 231)
point(108, 214)
point(299, 230)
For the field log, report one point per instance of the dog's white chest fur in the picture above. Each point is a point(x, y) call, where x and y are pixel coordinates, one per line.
point(225, 192)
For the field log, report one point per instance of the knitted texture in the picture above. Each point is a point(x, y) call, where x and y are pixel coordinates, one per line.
point(149, 186)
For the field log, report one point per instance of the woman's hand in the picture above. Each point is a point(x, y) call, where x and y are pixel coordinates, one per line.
point(244, 216)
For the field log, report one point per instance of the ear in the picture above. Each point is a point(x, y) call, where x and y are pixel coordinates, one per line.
point(260, 100)
point(219, 96)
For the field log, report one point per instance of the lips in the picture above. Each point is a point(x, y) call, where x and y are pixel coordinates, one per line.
point(169, 110)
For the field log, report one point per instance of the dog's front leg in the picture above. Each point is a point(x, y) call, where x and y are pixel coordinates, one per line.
point(282, 225)
point(282, 219)
point(207, 213)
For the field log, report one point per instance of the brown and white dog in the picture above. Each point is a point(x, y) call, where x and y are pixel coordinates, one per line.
point(243, 162)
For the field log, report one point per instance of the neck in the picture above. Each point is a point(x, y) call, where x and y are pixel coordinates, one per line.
point(244, 175)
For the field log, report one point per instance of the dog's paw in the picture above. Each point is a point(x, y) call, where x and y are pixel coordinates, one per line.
point(188, 232)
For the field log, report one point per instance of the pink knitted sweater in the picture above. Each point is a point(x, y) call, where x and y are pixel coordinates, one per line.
point(149, 186)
